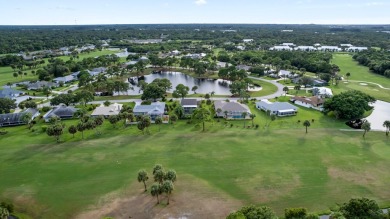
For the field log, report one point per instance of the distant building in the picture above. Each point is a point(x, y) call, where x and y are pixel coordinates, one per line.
point(287, 31)
point(65, 79)
point(281, 48)
point(346, 45)
point(243, 67)
point(247, 40)
point(305, 48)
point(329, 49)
point(285, 74)
point(223, 64)
point(10, 93)
point(277, 108)
point(240, 48)
point(356, 49)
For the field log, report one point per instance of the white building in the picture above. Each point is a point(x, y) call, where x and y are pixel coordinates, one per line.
point(247, 40)
point(356, 49)
point(281, 48)
point(330, 48)
point(305, 48)
point(322, 92)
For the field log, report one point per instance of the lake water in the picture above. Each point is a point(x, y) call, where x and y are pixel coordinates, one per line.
point(380, 114)
point(219, 86)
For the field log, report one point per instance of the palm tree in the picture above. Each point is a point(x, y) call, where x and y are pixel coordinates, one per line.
point(386, 124)
point(194, 88)
point(155, 190)
point(4, 213)
point(297, 88)
point(348, 75)
point(143, 177)
point(159, 176)
point(285, 89)
point(244, 114)
point(306, 123)
point(158, 121)
point(171, 175)
point(252, 117)
point(367, 127)
point(226, 113)
point(173, 119)
point(167, 187)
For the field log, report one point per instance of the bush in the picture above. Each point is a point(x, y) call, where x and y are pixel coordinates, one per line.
point(208, 102)
point(8, 206)
point(311, 216)
point(231, 125)
point(257, 126)
point(44, 128)
point(146, 102)
point(295, 213)
point(46, 109)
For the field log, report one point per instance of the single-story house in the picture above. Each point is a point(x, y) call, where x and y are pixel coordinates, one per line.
point(313, 102)
point(41, 84)
point(346, 45)
point(322, 92)
point(13, 119)
point(154, 110)
point(223, 64)
point(285, 74)
point(106, 111)
point(10, 93)
point(231, 110)
point(189, 105)
point(65, 79)
point(62, 111)
point(319, 83)
point(243, 67)
point(277, 108)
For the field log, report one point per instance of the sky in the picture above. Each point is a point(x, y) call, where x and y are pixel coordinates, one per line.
point(81, 12)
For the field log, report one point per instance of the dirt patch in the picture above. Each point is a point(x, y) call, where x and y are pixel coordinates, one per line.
point(194, 199)
point(265, 189)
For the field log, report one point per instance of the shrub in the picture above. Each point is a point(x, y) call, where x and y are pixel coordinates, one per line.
point(46, 109)
point(44, 128)
point(295, 213)
point(231, 125)
point(208, 102)
point(311, 216)
point(257, 126)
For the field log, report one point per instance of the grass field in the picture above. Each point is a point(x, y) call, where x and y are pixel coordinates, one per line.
point(358, 72)
point(280, 166)
point(6, 73)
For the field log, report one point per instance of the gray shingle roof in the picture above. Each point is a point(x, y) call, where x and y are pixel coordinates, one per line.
point(189, 102)
point(277, 106)
point(154, 108)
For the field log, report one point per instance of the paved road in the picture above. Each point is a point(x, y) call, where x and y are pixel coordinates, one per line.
point(274, 82)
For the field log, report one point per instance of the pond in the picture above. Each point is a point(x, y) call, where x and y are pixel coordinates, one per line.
point(219, 86)
point(380, 114)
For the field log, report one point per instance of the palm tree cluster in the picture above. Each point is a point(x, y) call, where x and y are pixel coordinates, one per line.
point(163, 181)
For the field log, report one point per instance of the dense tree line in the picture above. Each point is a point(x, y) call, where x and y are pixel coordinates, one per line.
point(377, 61)
point(23, 38)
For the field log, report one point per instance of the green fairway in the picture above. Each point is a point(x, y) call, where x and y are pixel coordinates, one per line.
point(358, 72)
point(280, 166)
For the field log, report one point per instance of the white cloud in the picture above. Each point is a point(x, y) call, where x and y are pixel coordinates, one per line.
point(200, 2)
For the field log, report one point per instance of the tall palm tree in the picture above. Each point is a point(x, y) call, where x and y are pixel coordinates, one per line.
point(158, 121)
point(252, 117)
point(366, 126)
point(348, 75)
point(143, 177)
point(306, 123)
point(244, 114)
point(167, 187)
point(386, 124)
point(297, 88)
point(285, 89)
point(155, 190)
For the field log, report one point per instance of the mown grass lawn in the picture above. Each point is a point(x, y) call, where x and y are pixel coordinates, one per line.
point(358, 72)
point(280, 166)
